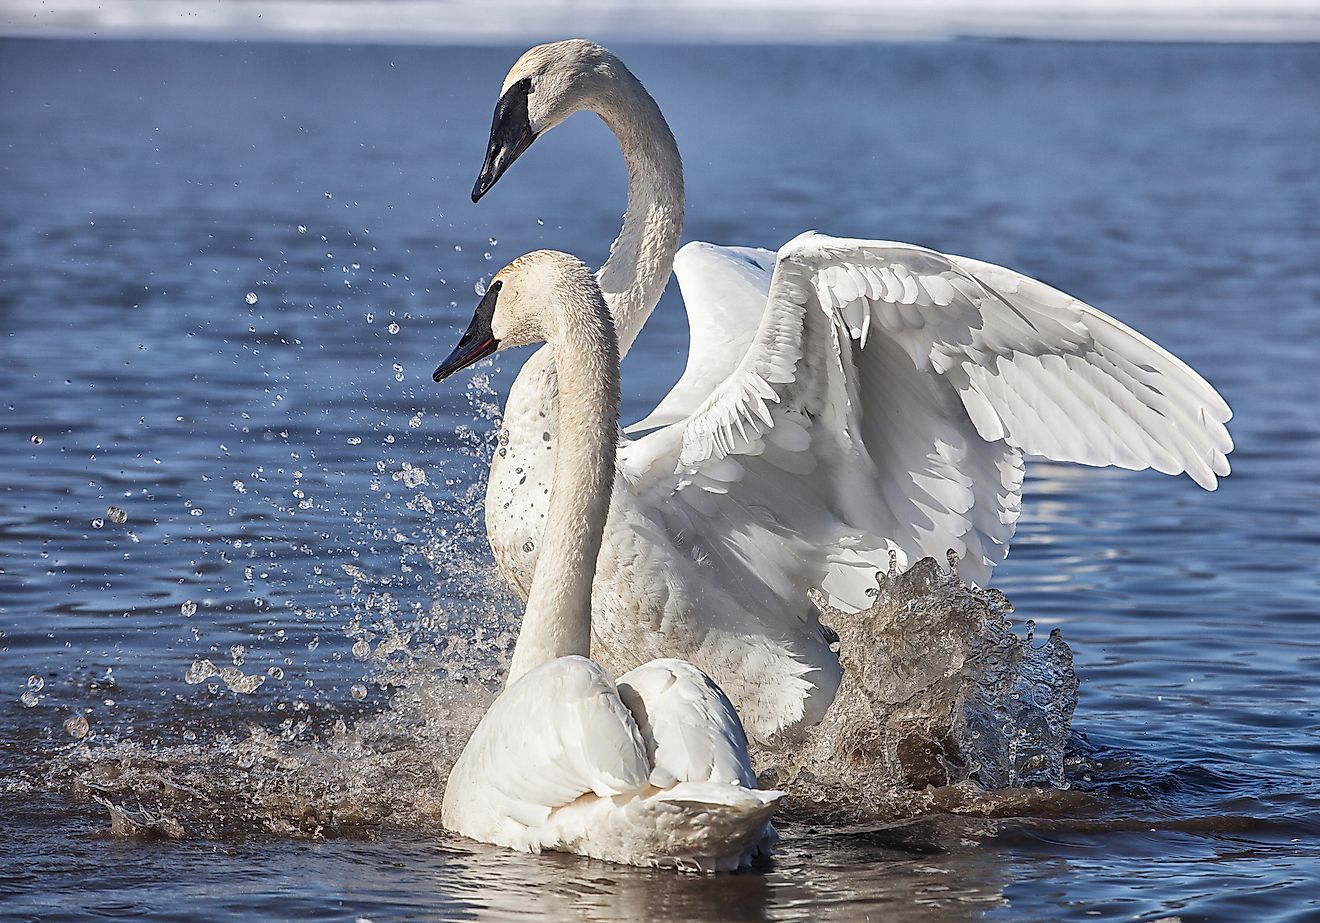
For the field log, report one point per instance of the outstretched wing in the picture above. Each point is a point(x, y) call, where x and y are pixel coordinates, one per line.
point(689, 727)
point(899, 388)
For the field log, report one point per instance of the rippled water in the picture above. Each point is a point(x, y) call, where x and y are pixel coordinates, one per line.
point(226, 272)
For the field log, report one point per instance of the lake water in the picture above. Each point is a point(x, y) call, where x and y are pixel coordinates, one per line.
point(226, 273)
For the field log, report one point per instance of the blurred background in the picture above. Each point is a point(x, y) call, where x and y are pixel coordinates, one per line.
point(668, 20)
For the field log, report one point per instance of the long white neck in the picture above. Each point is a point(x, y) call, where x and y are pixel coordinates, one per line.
point(582, 340)
point(642, 256)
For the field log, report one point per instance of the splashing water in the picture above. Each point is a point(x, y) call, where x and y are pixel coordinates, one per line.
point(942, 706)
point(938, 690)
point(940, 703)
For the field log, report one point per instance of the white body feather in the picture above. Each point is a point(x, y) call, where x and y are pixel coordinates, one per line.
point(560, 762)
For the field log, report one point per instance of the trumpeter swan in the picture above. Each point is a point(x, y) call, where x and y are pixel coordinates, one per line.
point(842, 399)
point(652, 770)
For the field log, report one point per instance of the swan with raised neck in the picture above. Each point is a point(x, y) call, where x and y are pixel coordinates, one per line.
point(655, 770)
point(552, 298)
point(545, 86)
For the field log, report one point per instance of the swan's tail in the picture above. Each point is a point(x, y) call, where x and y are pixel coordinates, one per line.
point(709, 826)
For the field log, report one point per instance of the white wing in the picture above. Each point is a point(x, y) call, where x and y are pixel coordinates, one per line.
point(556, 734)
point(724, 291)
point(689, 727)
point(886, 401)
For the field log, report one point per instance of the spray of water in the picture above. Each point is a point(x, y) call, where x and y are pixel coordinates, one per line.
point(942, 704)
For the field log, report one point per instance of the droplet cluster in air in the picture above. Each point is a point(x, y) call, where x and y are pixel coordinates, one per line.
point(410, 476)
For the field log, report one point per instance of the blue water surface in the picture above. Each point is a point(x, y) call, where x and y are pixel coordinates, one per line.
point(227, 271)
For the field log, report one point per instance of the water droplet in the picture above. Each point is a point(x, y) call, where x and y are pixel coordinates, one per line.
point(361, 650)
point(76, 727)
point(195, 512)
point(188, 609)
point(494, 242)
point(250, 297)
point(116, 515)
point(480, 287)
point(302, 229)
point(371, 318)
point(393, 328)
point(238, 653)
point(36, 683)
point(355, 440)
point(529, 546)
point(275, 673)
point(199, 672)
point(239, 682)
point(415, 421)
point(98, 523)
point(329, 196)
point(240, 487)
point(359, 692)
point(37, 440)
point(29, 699)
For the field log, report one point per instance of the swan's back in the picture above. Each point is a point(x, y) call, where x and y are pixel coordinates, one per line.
point(558, 733)
point(560, 762)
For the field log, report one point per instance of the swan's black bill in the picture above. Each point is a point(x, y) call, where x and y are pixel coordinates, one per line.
point(478, 341)
point(510, 134)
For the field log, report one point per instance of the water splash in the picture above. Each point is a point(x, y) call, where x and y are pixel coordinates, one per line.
point(940, 702)
point(940, 697)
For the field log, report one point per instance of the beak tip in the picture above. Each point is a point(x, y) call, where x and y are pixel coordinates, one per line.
point(477, 193)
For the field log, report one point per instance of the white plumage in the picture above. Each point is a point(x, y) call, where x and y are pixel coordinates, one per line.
point(916, 437)
point(653, 770)
point(843, 399)
point(562, 762)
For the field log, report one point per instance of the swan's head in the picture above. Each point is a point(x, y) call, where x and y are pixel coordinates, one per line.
point(518, 307)
point(546, 85)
